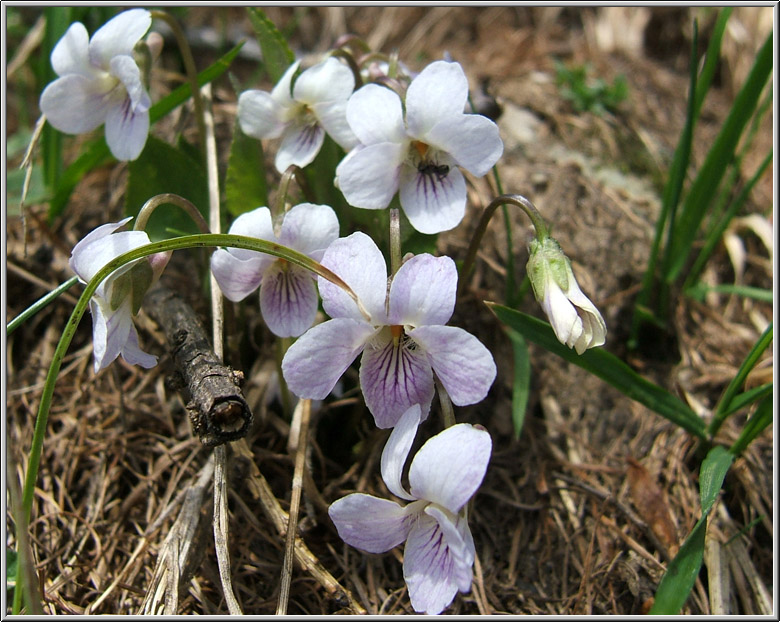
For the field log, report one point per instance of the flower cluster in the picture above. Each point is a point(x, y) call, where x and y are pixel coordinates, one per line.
point(402, 136)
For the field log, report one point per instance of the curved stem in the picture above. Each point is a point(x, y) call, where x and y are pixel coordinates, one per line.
point(518, 200)
point(284, 186)
point(152, 204)
point(447, 412)
point(347, 56)
point(395, 241)
point(189, 67)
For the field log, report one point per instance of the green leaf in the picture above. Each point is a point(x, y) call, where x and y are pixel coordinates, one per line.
point(678, 580)
point(521, 380)
point(754, 426)
point(277, 55)
point(11, 568)
point(704, 187)
point(700, 290)
point(245, 186)
point(606, 366)
point(742, 400)
point(162, 169)
point(97, 152)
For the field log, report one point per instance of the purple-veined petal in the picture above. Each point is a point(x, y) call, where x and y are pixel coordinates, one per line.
point(259, 115)
point(288, 299)
point(370, 524)
point(359, 262)
point(128, 73)
point(397, 450)
point(237, 277)
point(309, 229)
point(71, 54)
point(423, 291)
point(133, 354)
point(256, 223)
point(429, 568)
point(449, 468)
point(393, 377)
point(326, 81)
point(375, 115)
point(457, 535)
point(472, 140)
point(315, 362)
point(118, 36)
point(368, 176)
point(300, 145)
point(332, 116)
point(464, 366)
point(432, 202)
point(126, 131)
point(439, 91)
point(73, 105)
point(282, 92)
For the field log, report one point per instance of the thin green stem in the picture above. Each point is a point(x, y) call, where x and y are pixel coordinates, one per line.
point(293, 171)
point(395, 241)
point(518, 200)
point(40, 304)
point(447, 412)
point(189, 68)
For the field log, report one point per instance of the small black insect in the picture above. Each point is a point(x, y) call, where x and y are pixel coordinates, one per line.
point(431, 168)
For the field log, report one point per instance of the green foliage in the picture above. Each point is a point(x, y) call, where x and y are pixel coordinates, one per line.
point(588, 94)
point(162, 169)
point(277, 54)
point(245, 185)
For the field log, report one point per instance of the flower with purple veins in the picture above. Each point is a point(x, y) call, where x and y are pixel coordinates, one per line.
point(288, 293)
point(100, 82)
point(118, 297)
point(417, 153)
point(301, 113)
point(444, 474)
point(403, 339)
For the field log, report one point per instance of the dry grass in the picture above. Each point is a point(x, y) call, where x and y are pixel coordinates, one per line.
point(579, 516)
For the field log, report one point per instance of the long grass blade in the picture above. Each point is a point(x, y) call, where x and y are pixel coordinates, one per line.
point(608, 367)
point(754, 426)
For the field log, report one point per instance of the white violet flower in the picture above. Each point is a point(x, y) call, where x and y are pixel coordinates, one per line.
point(444, 474)
point(100, 82)
point(574, 318)
point(119, 296)
point(417, 153)
point(403, 341)
point(301, 113)
point(288, 293)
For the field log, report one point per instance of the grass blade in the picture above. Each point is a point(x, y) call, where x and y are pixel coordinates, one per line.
point(754, 426)
point(680, 575)
point(706, 184)
point(521, 380)
point(608, 367)
point(277, 55)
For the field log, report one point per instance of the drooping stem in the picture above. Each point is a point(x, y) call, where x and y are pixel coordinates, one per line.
point(447, 412)
point(347, 56)
point(189, 68)
point(518, 200)
point(145, 213)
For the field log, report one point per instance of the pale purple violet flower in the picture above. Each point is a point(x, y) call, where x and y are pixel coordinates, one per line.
point(403, 340)
point(119, 296)
point(301, 113)
point(100, 82)
point(444, 474)
point(288, 293)
point(418, 154)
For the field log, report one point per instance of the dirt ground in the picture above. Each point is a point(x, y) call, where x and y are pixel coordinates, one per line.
point(582, 513)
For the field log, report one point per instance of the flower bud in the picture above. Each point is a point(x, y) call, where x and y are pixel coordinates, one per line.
point(574, 318)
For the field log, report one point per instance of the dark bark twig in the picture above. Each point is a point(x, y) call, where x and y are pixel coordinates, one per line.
point(216, 407)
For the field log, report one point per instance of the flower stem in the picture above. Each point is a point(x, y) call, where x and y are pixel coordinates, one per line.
point(520, 201)
point(282, 204)
point(395, 241)
point(189, 67)
point(152, 204)
point(447, 412)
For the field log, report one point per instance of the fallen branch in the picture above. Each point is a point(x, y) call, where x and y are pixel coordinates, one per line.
point(216, 407)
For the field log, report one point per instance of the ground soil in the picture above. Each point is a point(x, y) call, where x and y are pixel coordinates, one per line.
point(581, 513)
